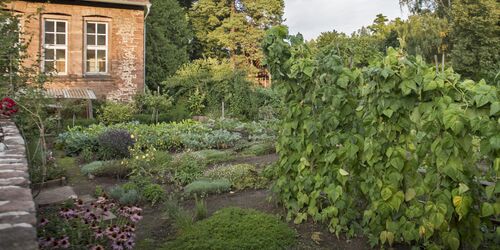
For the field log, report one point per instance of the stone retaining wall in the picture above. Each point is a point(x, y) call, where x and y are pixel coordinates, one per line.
point(17, 209)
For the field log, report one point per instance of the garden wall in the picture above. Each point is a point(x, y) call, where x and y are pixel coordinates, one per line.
point(17, 209)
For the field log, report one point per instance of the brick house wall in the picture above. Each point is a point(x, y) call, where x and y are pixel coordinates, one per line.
point(125, 43)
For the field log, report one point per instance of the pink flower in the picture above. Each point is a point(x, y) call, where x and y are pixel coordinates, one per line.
point(97, 247)
point(98, 233)
point(117, 246)
point(136, 217)
point(130, 244)
point(64, 242)
point(43, 222)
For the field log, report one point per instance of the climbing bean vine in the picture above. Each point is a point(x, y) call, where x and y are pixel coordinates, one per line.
point(396, 150)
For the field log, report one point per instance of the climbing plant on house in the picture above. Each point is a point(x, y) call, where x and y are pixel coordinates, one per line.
point(395, 150)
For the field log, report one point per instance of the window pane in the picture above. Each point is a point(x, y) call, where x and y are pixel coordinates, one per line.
point(101, 40)
point(90, 27)
point(61, 66)
point(49, 38)
point(90, 39)
point(49, 26)
point(60, 54)
point(61, 27)
point(101, 28)
point(49, 66)
point(102, 66)
point(90, 54)
point(101, 55)
point(91, 66)
point(49, 54)
point(60, 39)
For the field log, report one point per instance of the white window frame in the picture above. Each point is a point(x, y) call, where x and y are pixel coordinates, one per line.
point(96, 47)
point(56, 46)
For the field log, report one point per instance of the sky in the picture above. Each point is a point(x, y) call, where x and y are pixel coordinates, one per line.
point(311, 17)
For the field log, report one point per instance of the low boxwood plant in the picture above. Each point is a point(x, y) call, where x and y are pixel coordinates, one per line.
point(241, 176)
point(236, 228)
point(205, 186)
point(153, 193)
point(258, 149)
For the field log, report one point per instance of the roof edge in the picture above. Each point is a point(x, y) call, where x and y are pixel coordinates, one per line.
point(123, 2)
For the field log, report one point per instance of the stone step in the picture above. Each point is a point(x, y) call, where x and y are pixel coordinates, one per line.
point(54, 195)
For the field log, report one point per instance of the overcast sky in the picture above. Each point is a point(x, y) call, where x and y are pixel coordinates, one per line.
point(311, 17)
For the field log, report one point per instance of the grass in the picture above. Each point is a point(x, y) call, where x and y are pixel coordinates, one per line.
point(235, 228)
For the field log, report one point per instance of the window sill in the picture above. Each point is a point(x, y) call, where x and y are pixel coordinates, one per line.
point(97, 76)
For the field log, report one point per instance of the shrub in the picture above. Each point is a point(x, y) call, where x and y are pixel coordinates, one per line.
point(241, 176)
point(236, 228)
point(125, 197)
point(115, 144)
point(92, 167)
point(111, 113)
point(153, 193)
point(203, 187)
point(148, 164)
point(260, 149)
point(186, 169)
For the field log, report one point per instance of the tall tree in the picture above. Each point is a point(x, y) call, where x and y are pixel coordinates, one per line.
point(167, 40)
point(234, 28)
point(12, 46)
point(475, 35)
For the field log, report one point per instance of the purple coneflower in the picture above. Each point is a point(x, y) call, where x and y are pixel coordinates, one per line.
point(64, 242)
point(97, 247)
point(130, 244)
point(117, 246)
point(98, 233)
point(136, 217)
point(43, 222)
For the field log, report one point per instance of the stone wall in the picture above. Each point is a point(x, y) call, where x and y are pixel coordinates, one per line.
point(17, 209)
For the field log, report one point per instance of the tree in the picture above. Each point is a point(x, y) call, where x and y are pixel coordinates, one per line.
point(440, 7)
point(475, 36)
point(425, 35)
point(234, 28)
point(167, 40)
point(11, 47)
point(356, 50)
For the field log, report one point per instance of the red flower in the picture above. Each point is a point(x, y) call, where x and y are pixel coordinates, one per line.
point(8, 107)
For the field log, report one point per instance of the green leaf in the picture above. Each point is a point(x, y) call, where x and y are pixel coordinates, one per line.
point(462, 188)
point(430, 85)
point(410, 194)
point(388, 112)
point(386, 193)
point(383, 237)
point(309, 70)
point(495, 108)
point(397, 163)
point(343, 172)
point(489, 191)
point(343, 81)
point(437, 219)
point(300, 218)
point(487, 209)
point(453, 242)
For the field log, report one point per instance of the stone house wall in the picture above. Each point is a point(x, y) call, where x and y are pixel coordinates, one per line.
point(125, 75)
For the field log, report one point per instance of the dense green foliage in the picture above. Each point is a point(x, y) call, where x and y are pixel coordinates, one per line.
point(475, 37)
point(236, 228)
point(167, 39)
point(390, 150)
point(111, 113)
point(233, 29)
point(205, 83)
